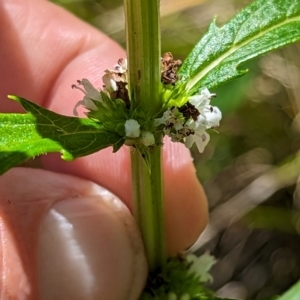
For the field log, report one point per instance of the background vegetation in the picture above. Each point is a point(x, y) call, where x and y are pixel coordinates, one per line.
point(250, 169)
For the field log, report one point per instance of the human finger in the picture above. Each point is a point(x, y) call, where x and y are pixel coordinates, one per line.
point(66, 238)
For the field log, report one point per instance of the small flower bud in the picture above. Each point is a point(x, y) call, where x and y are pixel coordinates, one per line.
point(147, 138)
point(132, 128)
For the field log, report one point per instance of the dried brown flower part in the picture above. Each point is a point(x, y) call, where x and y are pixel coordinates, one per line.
point(122, 93)
point(189, 110)
point(169, 69)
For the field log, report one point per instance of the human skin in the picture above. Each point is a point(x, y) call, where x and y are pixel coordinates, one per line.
point(44, 50)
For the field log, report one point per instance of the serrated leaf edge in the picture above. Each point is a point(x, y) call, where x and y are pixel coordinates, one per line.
point(216, 62)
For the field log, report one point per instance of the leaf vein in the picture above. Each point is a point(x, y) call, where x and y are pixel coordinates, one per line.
point(216, 62)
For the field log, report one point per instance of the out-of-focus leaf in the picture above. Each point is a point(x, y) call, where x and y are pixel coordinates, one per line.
point(272, 218)
point(292, 294)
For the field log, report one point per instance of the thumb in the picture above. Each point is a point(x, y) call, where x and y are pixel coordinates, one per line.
point(66, 238)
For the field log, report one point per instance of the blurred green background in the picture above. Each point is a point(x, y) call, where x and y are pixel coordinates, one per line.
point(251, 168)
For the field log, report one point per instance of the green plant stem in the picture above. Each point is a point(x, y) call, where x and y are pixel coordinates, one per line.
point(143, 53)
point(149, 206)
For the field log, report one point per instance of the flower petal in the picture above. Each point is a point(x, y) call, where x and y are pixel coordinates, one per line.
point(201, 141)
point(91, 91)
point(89, 104)
point(213, 116)
point(79, 103)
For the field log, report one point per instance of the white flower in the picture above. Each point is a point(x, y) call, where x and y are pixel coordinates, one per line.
point(109, 82)
point(167, 114)
point(200, 138)
point(121, 67)
point(200, 101)
point(207, 94)
point(171, 118)
point(147, 138)
point(132, 128)
point(212, 115)
point(91, 94)
point(119, 73)
point(189, 126)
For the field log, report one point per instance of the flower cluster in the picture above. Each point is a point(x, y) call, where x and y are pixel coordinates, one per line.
point(114, 81)
point(114, 87)
point(188, 123)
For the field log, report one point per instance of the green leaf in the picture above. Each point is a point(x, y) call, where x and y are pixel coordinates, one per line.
point(23, 136)
point(263, 26)
point(180, 277)
point(111, 114)
point(292, 294)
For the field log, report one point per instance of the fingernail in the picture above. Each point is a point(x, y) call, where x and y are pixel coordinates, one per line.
point(90, 248)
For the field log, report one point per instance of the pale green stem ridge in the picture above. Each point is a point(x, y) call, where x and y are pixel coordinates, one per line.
point(144, 75)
